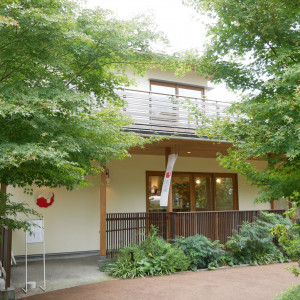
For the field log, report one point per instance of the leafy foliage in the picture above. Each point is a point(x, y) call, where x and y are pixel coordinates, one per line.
point(254, 244)
point(203, 253)
point(154, 256)
point(12, 212)
point(60, 118)
point(255, 48)
point(291, 293)
point(57, 69)
point(289, 240)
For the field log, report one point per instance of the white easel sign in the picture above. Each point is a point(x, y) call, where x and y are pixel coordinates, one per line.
point(34, 236)
point(37, 232)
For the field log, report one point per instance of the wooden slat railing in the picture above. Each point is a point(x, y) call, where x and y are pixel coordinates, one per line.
point(5, 255)
point(216, 225)
point(166, 113)
point(125, 229)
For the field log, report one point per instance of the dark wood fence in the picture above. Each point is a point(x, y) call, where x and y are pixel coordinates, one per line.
point(5, 254)
point(124, 229)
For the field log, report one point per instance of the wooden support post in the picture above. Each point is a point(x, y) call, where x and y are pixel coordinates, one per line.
point(290, 203)
point(103, 213)
point(3, 188)
point(274, 204)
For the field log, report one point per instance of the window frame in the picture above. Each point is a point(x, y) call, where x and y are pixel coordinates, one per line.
point(192, 176)
point(176, 86)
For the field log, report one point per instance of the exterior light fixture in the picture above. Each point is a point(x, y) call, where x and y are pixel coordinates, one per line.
point(219, 180)
point(189, 152)
point(198, 181)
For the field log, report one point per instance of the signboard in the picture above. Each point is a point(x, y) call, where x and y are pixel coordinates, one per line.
point(37, 235)
point(167, 180)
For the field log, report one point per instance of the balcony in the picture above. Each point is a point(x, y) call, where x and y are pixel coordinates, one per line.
point(167, 114)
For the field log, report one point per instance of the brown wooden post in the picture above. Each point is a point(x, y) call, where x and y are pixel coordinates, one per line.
point(290, 203)
point(103, 213)
point(3, 188)
point(274, 204)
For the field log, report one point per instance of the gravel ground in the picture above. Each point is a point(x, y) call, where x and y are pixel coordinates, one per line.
point(247, 283)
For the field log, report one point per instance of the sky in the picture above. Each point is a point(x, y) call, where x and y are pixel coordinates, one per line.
point(181, 23)
point(184, 27)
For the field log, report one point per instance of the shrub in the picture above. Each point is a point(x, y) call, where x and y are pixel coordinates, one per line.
point(154, 256)
point(289, 240)
point(203, 253)
point(290, 294)
point(254, 244)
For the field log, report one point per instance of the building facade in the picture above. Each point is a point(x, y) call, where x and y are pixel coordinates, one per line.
point(75, 219)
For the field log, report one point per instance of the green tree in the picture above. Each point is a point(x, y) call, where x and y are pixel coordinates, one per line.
point(57, 69)
point(254, 48)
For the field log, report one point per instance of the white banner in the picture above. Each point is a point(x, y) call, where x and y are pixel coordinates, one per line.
point(167, 180)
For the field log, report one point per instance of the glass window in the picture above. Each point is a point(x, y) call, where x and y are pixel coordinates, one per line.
point(163, 109)
point(181, 193)
point(194, 191)
point(177, 89)
point(163, 89)
point(203, 193)
point(224, 193)
point(192, 93)
point(155, 185)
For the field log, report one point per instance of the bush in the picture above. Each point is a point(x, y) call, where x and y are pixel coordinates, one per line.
point(254, 244)
point(203, 253)
point(289, 240)
point(154, 256)
point(290, 294)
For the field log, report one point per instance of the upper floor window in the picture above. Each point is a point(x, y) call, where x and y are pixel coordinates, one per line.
point(177, 89)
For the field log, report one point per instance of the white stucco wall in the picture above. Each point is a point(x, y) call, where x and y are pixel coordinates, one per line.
point(127, 191)
point(72, 222)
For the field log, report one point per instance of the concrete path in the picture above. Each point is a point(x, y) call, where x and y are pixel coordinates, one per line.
point(243, 283)
point(60, 274)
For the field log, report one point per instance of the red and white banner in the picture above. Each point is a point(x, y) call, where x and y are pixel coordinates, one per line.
point(167, 180)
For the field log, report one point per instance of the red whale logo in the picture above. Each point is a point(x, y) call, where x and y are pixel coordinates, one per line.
point(42, 202)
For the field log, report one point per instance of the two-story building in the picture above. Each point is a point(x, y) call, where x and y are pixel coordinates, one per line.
point(204, 197)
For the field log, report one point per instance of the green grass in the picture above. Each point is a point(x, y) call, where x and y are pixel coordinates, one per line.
point(292, 293)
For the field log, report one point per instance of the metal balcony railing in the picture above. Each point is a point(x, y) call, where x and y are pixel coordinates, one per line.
point(167, 114)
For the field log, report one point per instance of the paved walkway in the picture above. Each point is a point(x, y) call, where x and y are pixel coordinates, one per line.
point(60, 274)
point(243, 283)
